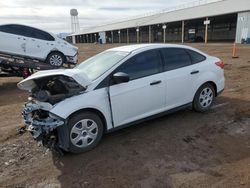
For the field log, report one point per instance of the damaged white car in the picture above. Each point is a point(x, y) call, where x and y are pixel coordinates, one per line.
point(71, 109)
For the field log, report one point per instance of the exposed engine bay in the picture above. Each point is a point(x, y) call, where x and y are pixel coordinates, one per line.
point(55, 89)
point(43, 125)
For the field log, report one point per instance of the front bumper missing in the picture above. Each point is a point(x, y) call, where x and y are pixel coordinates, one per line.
point(72, 59)
point(39, 128)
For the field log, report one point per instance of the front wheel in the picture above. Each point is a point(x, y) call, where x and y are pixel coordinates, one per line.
point(85, 132)
point(204, 98)
point(56, 59)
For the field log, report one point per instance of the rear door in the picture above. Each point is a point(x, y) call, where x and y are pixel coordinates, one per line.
point(144, 94)
point(39, 43)
point(13, 40)
point(180, 77)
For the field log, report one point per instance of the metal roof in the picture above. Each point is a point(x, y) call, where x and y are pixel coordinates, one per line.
point(135, 47)
point(217, 8)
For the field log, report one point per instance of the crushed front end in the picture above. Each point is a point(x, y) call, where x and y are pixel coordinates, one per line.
point(45, 94)
point(40, 123)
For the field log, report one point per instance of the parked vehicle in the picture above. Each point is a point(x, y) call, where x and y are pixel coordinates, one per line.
point(28, 42)
point(72, 109)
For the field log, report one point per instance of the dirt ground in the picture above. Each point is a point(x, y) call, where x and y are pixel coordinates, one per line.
point(185, 149)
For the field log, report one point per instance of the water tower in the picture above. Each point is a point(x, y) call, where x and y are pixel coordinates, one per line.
point(75, 27)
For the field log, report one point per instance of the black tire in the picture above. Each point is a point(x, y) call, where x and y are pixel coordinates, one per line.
point(56, 59)
point(204, 98)
point(81, 132)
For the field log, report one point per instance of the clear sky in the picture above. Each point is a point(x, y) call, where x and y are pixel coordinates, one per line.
point(54, 16)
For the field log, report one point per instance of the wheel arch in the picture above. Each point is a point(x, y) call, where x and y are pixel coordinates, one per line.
point(214, 86)
point(55, 51)
point(208, 82)
point(93, 110)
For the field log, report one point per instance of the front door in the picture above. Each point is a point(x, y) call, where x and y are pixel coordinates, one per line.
point(144, 94)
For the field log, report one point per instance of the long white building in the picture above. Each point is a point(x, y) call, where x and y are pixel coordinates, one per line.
point(201, 21)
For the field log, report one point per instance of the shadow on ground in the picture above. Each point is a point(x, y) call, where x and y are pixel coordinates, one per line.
point(151, 153)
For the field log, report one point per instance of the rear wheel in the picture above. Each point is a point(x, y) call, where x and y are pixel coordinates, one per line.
point(204, 98)
point(85, 132)
point(56, 59)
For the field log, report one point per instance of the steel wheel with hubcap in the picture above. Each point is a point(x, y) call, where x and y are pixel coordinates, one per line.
point(204, 98)
point(56, 59)
point(85, 131)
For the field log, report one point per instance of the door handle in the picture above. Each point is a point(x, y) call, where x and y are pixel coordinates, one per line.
point(155, 82)
point(194, 72)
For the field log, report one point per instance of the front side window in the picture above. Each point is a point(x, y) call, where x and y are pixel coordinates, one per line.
point(97, 65)
point(142, 65)
point(175, 58)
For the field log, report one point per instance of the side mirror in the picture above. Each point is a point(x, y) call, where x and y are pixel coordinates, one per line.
point(120, 77)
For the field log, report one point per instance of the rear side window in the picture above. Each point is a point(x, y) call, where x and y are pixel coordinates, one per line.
point(26, 31)
point(38, 34)
point(175, 58)
point(142, 65)
point(13, 29)
point(196, 57)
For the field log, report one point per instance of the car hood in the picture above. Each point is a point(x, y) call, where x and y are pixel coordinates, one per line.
point(76, 74)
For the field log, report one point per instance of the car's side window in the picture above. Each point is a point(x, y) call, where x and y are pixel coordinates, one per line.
point(26, 31)
point(175, 58)
point(38, 34)
point(5, 29)
point(142, 65)
point(44, 36)
point(195, 56)
point(13, 29)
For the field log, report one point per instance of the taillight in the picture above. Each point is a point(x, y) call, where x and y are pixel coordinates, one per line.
point(220, 64)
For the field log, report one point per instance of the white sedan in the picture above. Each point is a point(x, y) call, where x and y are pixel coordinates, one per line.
point(28, 42)
point(71, 109)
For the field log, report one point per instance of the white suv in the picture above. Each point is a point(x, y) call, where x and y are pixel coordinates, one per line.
point(32, 43)
point(71, 109)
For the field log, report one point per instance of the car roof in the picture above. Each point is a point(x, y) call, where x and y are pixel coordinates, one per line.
point(28, 26)
point(135, 47)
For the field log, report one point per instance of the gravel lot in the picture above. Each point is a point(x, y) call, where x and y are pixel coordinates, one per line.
point(185, 149)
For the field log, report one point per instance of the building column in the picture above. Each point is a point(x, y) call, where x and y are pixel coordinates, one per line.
point(138, 34)
point(73, 39)
point(183, 32)
point(164, 27)
point(119, 33)
point(128, 36)
point(87, 37)
point(91, 38)
point(149, 34)
point(112, 37)
point(206, 30)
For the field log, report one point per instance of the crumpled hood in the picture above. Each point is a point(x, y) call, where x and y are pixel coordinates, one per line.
point(76, 74)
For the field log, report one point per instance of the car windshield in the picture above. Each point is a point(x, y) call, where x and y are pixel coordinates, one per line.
point(97, 65)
